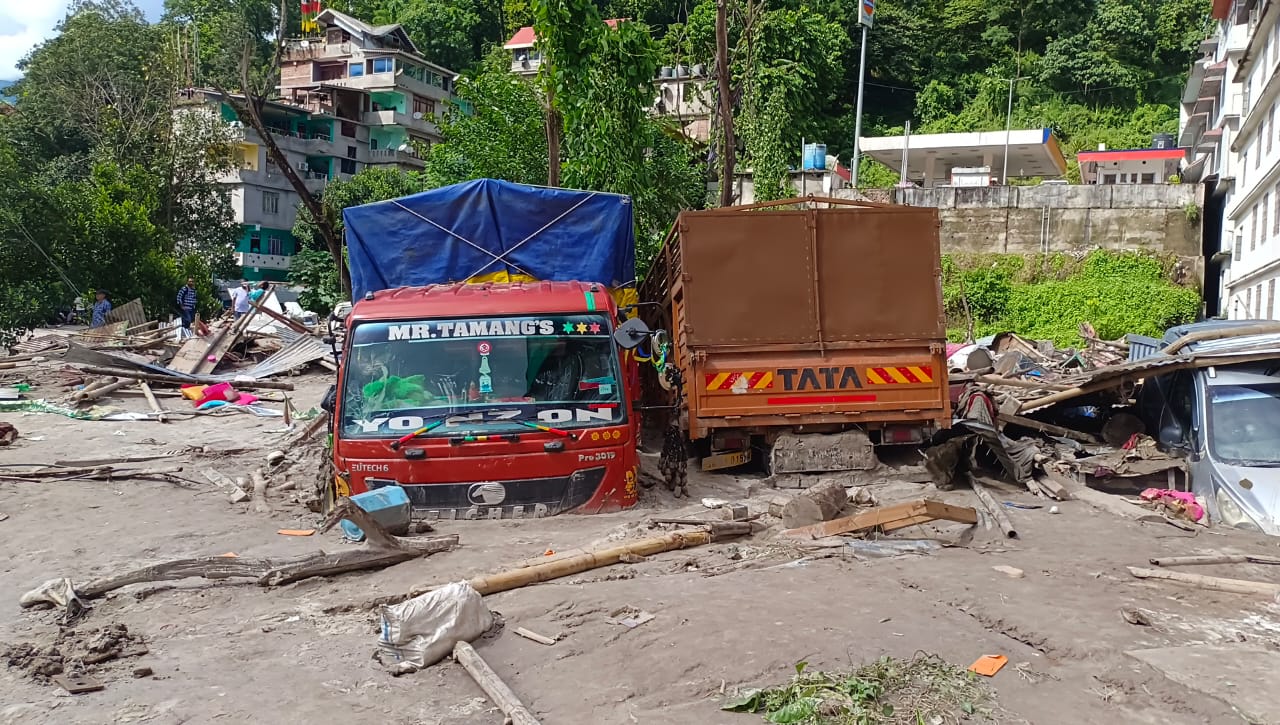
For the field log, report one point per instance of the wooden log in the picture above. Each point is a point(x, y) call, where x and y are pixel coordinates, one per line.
point(493, 686)
point(259, 498)
point(1049, 428)
point(1211, 583)
point(821, 502)
point(888, 518)
point(349, 560)
point(178, 380)
point(994, 509)
point(207, 567)
point(1215, 559)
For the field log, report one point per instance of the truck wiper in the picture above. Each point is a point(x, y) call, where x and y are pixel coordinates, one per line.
point(549, 429)
point(395, 445)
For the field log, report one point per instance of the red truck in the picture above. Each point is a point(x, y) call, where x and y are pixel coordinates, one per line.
point(478, 369)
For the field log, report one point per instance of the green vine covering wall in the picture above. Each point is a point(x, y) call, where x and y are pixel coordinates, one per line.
point(1046, 298)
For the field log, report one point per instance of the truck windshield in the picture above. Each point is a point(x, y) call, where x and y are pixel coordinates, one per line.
point(1246, 424)
point(485, 376)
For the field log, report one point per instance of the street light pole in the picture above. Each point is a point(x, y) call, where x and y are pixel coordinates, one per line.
point(857, 124)
point(1008, 126)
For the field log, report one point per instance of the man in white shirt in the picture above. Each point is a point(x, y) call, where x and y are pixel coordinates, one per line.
point(240, 299)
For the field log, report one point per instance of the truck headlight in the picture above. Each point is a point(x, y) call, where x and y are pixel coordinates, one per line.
point(1231, 513)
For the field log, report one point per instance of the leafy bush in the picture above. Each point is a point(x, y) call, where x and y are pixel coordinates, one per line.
point(1118, 292)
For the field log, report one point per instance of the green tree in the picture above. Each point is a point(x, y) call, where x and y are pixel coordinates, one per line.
point(500, 135)
point(314, 266)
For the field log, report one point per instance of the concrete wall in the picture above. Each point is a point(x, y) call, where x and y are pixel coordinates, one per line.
point(1064, 218)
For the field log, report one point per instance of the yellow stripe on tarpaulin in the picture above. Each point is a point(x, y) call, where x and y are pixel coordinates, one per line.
point(622, 297)
point(874, 377)
point(717, 381)
point(920, 374)
point(896, 375)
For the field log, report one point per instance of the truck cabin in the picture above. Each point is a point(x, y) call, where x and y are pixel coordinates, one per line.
point(481, 359)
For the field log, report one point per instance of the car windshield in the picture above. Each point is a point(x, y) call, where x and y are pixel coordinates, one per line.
point(1246, 424)
point(488, 376)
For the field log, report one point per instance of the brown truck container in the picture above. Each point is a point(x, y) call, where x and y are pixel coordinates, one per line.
point(805, 320)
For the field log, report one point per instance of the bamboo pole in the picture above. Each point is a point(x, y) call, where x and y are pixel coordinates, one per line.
point(1215, 559)
point(1211, 583)
point(516, 578)
point(151, 400)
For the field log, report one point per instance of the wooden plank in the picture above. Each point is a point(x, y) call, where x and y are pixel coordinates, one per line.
point(888, 518)
point(130, 312)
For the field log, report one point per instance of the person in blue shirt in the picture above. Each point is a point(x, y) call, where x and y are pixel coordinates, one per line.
point(187, 302)
point(101, 306)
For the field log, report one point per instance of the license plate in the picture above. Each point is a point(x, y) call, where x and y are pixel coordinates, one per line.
point(726, 460)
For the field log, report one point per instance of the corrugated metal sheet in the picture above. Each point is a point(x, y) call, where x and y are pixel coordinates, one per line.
point(1248, 343)
point(1141, 347)
point(299, 349)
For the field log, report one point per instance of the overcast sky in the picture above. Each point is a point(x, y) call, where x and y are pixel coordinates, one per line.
point(24, 23)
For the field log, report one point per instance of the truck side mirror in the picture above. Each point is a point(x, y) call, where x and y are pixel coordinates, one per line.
point(631, 333)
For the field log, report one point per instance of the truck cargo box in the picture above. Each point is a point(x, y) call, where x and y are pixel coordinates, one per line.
point(794, 318)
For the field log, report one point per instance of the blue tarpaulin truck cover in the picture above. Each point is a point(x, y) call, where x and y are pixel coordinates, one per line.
point(488, 230)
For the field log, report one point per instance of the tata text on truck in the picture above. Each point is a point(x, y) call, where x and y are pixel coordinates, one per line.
point(793, 321)
point(478, 369)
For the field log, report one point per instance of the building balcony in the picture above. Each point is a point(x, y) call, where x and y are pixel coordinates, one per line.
point(1193, 129)
point(525, 66)
point(396, 156)
point(263, 261)
point(395, 118)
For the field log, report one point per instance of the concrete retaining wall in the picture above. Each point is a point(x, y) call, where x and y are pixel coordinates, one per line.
point(1064, 218)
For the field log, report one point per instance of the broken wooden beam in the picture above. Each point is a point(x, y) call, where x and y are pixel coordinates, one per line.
point(1051, 429)
point(888, 518)
point(492, 685)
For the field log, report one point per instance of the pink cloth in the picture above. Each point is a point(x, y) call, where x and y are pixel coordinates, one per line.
point(1179, 500)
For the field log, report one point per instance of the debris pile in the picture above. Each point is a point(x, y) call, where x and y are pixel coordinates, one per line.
point(1050, 419)
point(215, 367)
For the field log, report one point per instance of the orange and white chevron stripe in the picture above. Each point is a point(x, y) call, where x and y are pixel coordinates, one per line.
point(740, 381)
point(901, 375)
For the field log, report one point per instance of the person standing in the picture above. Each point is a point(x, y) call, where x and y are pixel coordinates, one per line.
point(260, 292)
point(187, 302)
point(240, 300)
point(101, 306)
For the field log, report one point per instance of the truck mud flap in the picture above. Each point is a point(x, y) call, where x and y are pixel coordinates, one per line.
point(818, 453)
point(522, 498)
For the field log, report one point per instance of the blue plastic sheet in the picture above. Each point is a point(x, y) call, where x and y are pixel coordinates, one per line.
point(488, 229)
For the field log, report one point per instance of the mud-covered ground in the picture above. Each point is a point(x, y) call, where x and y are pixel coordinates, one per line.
point(727, 616)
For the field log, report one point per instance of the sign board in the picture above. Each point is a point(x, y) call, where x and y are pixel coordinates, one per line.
point(866, 12)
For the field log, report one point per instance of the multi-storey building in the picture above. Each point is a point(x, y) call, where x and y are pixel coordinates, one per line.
point(356, 96)
point(682, 92)
point(1229, 128)
point(373, 77)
